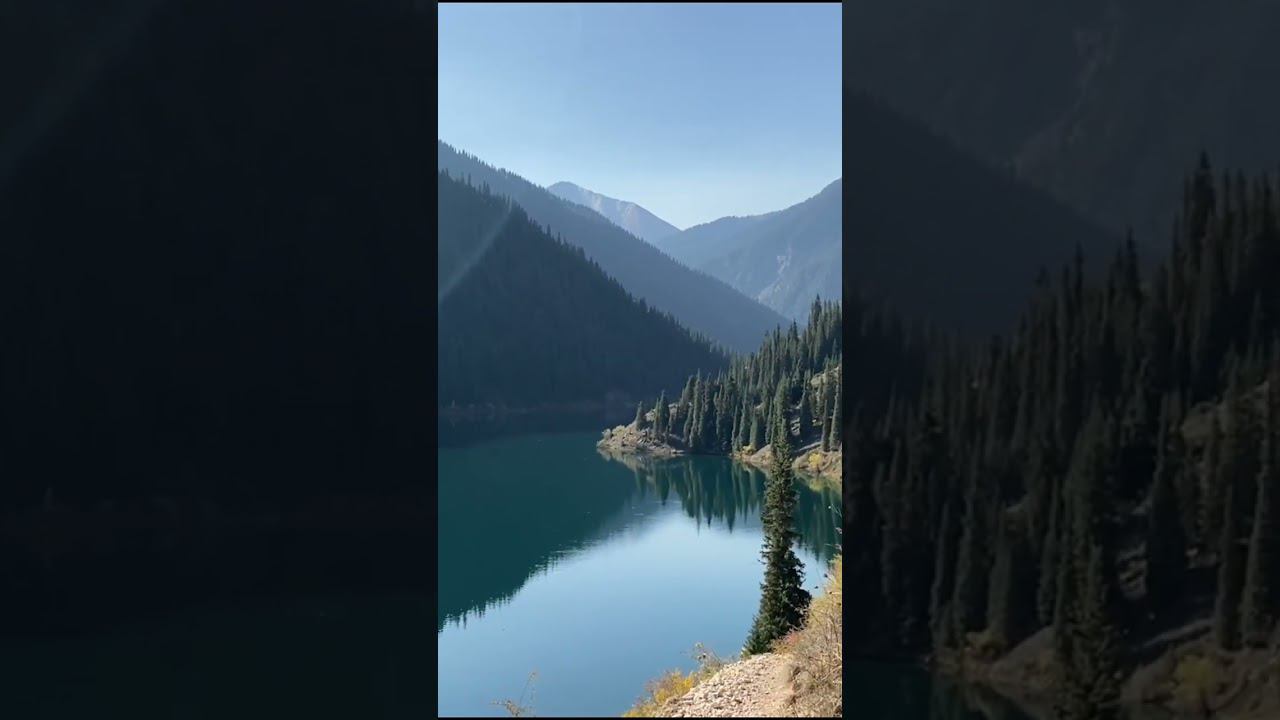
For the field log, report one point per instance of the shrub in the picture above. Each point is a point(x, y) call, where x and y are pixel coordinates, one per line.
point(673, 683)
point(817, 651)
point(1197, 679)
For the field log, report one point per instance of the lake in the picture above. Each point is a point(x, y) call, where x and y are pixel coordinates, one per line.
point(569, 579)
point(594, 573)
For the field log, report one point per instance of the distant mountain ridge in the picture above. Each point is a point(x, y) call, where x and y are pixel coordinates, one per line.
point(941, 236)
point(783, 259)
point(1109, 100)
point(626, 215)
point(700, 302)
point(528, 320)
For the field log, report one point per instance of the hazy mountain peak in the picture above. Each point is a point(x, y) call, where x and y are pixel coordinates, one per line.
point(626, 215)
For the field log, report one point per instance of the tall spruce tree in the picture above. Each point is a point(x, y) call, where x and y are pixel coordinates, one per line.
point(1166, 541)
point(1261, 590)
point(783, 598)
point(1226, 611)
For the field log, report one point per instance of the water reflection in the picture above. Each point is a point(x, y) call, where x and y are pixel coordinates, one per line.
point(514, 507)
point(717, 491)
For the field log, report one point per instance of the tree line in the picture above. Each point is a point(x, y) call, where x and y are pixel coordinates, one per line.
point(1097, 472)
point(796, 371)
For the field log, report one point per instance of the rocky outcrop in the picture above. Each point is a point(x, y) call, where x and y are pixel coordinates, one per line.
point(630, 440)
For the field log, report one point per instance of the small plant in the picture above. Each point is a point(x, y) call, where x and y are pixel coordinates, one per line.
point(674, 683)
point(517, 708)
point(1197, 679)
point(815, 461)
point(816, 648)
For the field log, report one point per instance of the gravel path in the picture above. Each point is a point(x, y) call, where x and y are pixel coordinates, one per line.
point(759, 687)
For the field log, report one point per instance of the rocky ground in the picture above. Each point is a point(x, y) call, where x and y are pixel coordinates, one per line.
point(758, 687)
point(626, 439)
point(810, 460)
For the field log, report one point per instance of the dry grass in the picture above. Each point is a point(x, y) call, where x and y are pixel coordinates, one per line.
point(517, 708)
point(818, 652)
point(674, 683)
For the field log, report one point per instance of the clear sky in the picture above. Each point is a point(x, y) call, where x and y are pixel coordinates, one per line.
point(693, 111)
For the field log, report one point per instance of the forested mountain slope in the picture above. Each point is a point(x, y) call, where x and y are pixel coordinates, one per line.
point(698, 301)
point(783, 258)
point(526, 320)
point(941, 237)
point(1072, 476)
point(801, 371)
point(626, 215)
point(1099, 101)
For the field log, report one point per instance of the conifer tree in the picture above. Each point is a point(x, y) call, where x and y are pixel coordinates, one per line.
point(783, 598)
point(805, 414)
point(1226, 612)
point(1261, 592)
point(639, 421)
point(1166, 543)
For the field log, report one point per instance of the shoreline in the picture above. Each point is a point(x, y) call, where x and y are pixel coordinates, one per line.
point(811, 465)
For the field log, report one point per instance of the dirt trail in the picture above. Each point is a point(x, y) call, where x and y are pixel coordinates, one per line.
point(759, 687)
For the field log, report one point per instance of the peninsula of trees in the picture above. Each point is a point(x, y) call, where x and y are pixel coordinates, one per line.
point(794, 371)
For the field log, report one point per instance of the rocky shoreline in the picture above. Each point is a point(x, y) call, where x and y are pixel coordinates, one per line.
point(811, 461)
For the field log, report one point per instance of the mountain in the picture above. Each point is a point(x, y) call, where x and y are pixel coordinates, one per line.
point(626, 215)
point(783, 259)
point(941, 236)
point(1098, 102)
point(526, 320)
point(700, 302)
point(214, 269)
point(1062, 505)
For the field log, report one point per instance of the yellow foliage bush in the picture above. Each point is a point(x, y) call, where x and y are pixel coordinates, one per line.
point(674, 684)
point(815, 461)
point(671, 685)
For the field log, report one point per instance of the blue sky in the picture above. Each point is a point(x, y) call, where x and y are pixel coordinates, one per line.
point(693, 111)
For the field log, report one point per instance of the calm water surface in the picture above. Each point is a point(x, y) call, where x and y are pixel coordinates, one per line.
point(596, 574)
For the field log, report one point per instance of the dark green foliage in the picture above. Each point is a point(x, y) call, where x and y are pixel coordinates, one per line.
point(973, 561)
point(1262, 586)
point(493, 339)
point(783, 598)
point(798, 371)
point(639, 421)
point(1050, 561)
point(1226, 610)
point(1011, 608)
point(1091, 686)
point(698, 301)
point(661, 415)
point(1166, 541)
point(1107, 433)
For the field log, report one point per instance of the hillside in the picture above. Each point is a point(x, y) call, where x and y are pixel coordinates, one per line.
point(626, 215)
point(940, 236)
point(698, 301)
point(525, 319)
point(1086, 510)
point(1098, 102)
point(783, 259)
